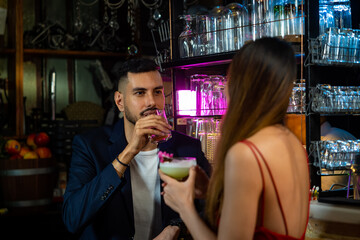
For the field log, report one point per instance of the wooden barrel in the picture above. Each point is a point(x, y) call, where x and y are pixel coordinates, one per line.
point(27, 184)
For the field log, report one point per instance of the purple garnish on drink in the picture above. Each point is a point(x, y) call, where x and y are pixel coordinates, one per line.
point(165, 157)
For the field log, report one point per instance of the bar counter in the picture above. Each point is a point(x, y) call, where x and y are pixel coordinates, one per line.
point(333, 221)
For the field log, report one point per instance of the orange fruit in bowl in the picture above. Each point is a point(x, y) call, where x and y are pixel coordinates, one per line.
point(31, 155)
point(43, 152)
point(12, 147)
point(24, 149)
point(30, 140)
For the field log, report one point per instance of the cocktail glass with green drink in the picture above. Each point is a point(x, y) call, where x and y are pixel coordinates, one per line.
point(176, 167)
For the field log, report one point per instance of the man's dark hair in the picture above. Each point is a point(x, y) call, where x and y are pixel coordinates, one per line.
point(134, 65)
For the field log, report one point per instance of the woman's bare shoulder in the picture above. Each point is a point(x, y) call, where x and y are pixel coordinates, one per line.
point(240, 155)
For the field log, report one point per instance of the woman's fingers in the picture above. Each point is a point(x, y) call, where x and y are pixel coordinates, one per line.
point(165, 177)
point(192, 175)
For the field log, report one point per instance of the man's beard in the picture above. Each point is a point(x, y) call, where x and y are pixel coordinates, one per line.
point(132, 117)
point(129, 116)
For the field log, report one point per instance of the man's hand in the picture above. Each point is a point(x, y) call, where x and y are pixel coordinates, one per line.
point(169, 233)
point(145, 127)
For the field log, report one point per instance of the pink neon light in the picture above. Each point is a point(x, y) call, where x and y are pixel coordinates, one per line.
point(186, 102)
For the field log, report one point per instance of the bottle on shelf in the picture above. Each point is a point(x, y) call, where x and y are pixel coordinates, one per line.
point(279, 17)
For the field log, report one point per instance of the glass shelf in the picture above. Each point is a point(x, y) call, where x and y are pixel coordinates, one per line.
point(206, 61)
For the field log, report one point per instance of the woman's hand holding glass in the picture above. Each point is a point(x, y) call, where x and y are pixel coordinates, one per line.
point(180, 195)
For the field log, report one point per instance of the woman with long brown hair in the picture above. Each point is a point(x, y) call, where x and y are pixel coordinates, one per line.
point(260, 185)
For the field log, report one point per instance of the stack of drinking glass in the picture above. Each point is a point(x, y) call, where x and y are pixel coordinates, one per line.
point(339, 46)
point(210, 94)
point(297, 99)
point(227, 28)
point(334, 14)
point(332, 99)
point(335, 154)
point(208, 131)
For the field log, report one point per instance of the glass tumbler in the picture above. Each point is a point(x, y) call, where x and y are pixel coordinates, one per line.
point(241, 29)
point(206, 97)
point(342, 13)
point(355, 47)
point(228, 30)
point(203, 35)
point(345, 40)
point(212, 137)
point(196, 84)
point(161, 138)
point(326, 16)
point(261, 17)
point(218, 101)
point(331, 45)
point(218, 27)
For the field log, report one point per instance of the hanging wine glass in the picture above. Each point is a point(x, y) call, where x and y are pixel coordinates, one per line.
point(187, 38)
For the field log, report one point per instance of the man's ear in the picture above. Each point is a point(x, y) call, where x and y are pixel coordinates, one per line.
point(119, 100)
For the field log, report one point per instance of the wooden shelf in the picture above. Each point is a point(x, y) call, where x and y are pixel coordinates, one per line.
point(293, 38)
point(70, 53)
point(7, 51)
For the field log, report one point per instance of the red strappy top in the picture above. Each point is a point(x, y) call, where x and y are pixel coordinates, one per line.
point(261, 232)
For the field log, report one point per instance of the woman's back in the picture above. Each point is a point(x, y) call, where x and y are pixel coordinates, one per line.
point(286, 161)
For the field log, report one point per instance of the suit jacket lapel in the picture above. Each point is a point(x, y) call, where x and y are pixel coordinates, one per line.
point(118, 144)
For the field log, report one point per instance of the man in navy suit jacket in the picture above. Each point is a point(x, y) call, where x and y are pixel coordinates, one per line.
point(112, 193)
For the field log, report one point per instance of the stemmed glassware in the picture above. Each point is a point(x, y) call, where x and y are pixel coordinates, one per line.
point(178, 167)
point(187, 38)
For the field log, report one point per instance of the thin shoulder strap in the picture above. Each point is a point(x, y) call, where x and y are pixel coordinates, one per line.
point(263, 181)
point(252, 146)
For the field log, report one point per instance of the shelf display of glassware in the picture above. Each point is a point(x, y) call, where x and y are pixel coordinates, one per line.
point(206, 96)
point(335, 156)
point(335, 99)
point(336, 47)
point(337, 43)
point(227, 28)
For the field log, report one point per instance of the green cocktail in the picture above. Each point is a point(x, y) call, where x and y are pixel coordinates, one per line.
point(179, 167)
